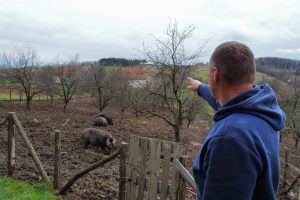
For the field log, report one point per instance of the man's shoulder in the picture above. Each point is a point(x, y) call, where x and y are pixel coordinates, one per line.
point(242, 121)
point(238, 126)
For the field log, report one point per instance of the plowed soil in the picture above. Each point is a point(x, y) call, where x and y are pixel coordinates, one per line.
point(44, 118)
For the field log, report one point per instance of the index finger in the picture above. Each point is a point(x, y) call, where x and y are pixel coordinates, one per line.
point(189, 78)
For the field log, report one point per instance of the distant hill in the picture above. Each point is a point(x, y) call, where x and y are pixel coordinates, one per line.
point(279, 63)
point(280, 68)
point(120, 62)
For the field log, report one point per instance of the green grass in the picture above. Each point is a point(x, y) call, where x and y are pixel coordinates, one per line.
point(17, 190)
point(5, 96)
point(262, 77)
point(201, 74)
point(14, 96)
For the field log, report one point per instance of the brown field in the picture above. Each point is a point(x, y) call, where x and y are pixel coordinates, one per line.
point(101, 183)
point(44, 118)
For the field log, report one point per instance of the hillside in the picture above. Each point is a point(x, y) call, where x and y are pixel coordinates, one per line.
point(278, 63)
point(282, 68)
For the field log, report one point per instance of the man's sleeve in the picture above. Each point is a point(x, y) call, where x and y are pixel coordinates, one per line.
point(204, 92)
point(231, 170)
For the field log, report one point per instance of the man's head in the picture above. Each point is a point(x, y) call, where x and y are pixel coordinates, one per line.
point(232, 63)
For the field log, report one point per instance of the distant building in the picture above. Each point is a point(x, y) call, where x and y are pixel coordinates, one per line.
point(140, 83)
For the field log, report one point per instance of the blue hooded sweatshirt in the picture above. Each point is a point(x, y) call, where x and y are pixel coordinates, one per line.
point(239, 159)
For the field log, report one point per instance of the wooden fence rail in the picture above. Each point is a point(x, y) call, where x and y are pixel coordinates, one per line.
point(186, 175)
point(13, 125)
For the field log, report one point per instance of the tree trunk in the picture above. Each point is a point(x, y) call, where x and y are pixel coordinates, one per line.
point(122, 114)
point(28, 104)
point(189, 123)
point(296, 142)
point(65, 106)
point(10, 94)
point(20, 95)
point(177, 133)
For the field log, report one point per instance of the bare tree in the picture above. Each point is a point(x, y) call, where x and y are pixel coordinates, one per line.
point(103, 85)
point(288, 95)
point(50, 84)
point(123, 95)
point(168, 90)
point(21, 69)
point(137, 96)
point(66, 74)
point(292, 107)
point(195, 106)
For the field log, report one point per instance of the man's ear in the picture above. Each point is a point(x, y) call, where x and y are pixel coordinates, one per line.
point(216, 75)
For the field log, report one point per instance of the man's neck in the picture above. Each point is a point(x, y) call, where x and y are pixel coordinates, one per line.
point(228, 92)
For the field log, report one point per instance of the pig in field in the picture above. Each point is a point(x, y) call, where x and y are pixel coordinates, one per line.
point(100, 122)
point(96, 137)
point(106, 116)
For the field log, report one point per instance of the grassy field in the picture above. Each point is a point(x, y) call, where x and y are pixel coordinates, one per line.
point(14, 96)
point(201, 73)
point(5, 96)
point(17, 190)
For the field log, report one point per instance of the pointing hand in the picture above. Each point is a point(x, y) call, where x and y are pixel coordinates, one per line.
point(193, 84)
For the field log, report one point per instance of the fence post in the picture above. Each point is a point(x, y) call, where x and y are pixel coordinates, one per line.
point(285, 167)
point(36, 160)
point(122, 169)
point(11, 163)
point(57, 146)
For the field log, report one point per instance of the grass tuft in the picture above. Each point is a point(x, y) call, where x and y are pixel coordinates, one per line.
point(11, 189)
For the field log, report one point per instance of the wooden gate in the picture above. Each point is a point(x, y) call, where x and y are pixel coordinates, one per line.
point(147, 170)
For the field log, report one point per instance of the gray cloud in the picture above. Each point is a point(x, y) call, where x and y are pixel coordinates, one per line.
point(98, 29)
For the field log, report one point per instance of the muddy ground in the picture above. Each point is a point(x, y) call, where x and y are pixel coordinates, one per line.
point(44, 118)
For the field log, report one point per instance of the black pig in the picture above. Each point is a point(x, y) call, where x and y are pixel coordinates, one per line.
point(100, 121)
point(106, 116)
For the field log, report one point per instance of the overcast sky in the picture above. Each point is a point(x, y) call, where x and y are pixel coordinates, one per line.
point(115, 28)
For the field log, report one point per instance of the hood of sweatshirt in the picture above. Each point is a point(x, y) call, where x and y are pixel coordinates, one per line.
point(261, 101)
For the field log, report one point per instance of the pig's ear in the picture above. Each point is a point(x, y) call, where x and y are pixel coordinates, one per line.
point(107, 142)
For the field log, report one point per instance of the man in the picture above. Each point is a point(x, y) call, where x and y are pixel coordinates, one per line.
point(239, 159)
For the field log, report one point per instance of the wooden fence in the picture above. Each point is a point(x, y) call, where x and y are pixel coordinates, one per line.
point(148, 170)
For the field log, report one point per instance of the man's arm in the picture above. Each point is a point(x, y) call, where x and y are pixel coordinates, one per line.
point(231, 170)
point(204, 92)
